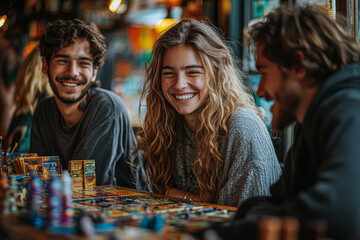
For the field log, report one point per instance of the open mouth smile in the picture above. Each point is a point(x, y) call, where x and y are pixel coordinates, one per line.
point(69, 84)
point(184, 96)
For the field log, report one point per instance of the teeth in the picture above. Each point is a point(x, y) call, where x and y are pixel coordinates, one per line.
point(184, 97)
point(70, 84)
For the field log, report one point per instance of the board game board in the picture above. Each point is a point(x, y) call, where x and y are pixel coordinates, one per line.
point(127, 207)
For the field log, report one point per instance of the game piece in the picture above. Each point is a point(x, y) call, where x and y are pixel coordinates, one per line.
point(21, 183)
point(4, 198)
point(85, 225)
point(269, 228)
point(290, 228)
point(54, 202)
point(67, 211)
point(107, 207)
point(34, 200)
point(12, 195)
point(155, 223)
point(145, 221)
point(158, 223)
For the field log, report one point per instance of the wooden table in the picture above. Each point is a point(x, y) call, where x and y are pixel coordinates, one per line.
point(22, 230)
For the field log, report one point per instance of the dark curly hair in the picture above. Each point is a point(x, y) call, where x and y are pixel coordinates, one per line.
point(62, 33)
point(327, 46)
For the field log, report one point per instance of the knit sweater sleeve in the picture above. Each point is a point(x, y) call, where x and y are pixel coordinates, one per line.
point(250, 163)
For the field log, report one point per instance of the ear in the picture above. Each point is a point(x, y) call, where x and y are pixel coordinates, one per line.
point(300, 71)
point(45, 66)
point(96, 68)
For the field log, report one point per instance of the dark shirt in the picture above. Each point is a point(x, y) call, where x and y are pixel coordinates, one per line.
point(321, 178)
point(104, 133)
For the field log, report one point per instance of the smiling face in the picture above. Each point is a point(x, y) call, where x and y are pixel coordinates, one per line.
point(71, 71)
point(184, 81)
point(282, 88)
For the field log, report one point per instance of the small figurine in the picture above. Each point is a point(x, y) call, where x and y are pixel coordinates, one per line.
point(155, 223)
point(4, 188)
point(67, 211)
point(13, 195)
point(34, 199)
point(54, 203)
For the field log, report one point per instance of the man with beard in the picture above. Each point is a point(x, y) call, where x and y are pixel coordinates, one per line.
point(81, 121)
point(309, 67)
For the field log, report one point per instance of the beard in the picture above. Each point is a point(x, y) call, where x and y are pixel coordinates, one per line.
point(68, 100)
point(287, 101)
point(283, 118)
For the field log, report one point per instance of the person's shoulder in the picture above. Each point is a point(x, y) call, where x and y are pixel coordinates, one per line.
point(245, 123)
point(244, 117)
point(47, 100)
point(105, 95)
point(345, 99)
point(46, 103)
point(107, 100)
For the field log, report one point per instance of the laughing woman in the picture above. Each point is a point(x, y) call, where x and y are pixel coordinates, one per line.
point(203, 137)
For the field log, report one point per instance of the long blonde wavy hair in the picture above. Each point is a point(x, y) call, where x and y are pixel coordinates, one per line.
point(31, 84)
point(226, 95)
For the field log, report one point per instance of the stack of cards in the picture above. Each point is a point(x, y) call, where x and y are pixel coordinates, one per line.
point(89, 174)
point(77, 174)
point(83, 174)
point(22, 163)
point(14, 166)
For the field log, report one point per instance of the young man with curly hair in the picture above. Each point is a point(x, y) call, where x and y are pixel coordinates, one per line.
point(81, 121)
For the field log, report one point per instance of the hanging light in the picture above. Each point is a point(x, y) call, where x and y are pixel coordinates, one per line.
point(164, 24)
point(114, 4)
point(2, 20)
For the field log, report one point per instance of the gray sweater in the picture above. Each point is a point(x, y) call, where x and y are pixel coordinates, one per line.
point(103, 133)
point(250, 163)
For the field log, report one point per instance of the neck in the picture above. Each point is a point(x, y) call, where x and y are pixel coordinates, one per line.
point(193, 122)
point(70, 111)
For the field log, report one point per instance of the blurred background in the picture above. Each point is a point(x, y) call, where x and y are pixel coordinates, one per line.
point(131, 27)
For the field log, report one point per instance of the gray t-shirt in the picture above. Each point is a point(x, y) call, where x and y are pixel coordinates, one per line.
point(250, 162)
point(103, 133)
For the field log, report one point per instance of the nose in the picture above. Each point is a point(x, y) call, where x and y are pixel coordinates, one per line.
point(181, 81)
point(72, 69)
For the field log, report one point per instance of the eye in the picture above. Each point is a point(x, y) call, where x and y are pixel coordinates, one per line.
point(85, 64)
point(194, 73)
point(168, 74)
point(61, 61)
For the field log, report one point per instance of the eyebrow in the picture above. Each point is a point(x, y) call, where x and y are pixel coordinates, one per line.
point(67, 56)
point(183, 68)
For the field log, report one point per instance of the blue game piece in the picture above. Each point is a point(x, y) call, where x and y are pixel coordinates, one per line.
point(158, 223)
point(54, 203)
point(104, 227)
point(34, 200)
point(67, 210)
point(145, 222)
